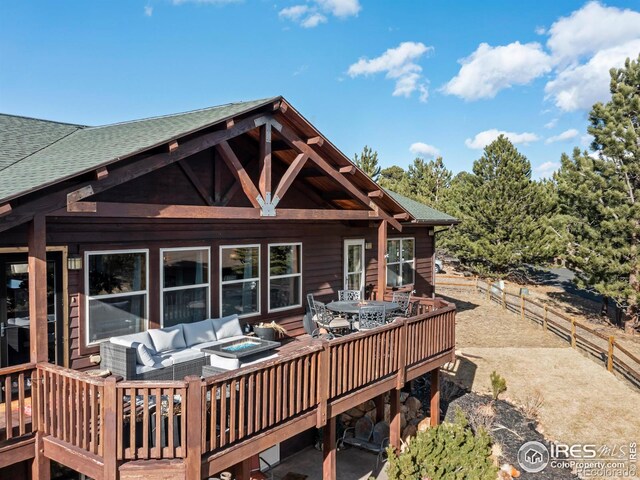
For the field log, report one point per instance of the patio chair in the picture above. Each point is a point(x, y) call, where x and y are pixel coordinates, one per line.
point(349, 295)
point(324, 318)
point(370, 316)
point(403, 299)
point(368, 436)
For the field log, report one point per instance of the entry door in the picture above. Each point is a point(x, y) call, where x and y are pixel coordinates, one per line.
point(354, 264)
point(14, 308)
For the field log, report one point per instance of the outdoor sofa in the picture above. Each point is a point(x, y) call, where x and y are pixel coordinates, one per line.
point(174, 352)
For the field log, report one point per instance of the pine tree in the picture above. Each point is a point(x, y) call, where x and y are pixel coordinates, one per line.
point(599, 196)
point(368, 162)
point(428, 180)
point(394, 178)
point(502, 213)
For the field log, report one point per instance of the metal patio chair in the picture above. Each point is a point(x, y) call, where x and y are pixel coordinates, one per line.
point(403, 299)
point(368, 436)
point(349, 295)
point(370, 316)
point(325, 319)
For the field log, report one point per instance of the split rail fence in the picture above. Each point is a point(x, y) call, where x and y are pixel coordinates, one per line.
point(600, 347)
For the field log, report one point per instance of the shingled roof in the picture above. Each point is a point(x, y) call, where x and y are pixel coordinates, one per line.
point(38, 153)
point(421, 212)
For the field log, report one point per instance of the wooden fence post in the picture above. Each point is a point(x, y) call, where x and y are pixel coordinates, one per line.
point(573, 332)
point(110, 430)
point(544, 319)
point(612, 341)
point(193, 460)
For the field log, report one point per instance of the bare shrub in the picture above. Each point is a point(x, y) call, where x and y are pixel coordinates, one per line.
point(532, 403)
point(482, 417)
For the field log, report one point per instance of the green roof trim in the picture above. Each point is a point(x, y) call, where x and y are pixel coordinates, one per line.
point(421, 212)
point(63, 151)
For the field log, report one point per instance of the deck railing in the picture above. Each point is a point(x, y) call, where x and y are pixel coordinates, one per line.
point(200, 422)
point(15, 401)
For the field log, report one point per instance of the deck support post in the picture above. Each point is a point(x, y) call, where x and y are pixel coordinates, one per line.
point(40, 465)
point(394, 419)
point(110, 424)
point(38, 336)
point(434, 394)
point(243, 469)
point(194, 421)
point(329, 450)
point(382, 259)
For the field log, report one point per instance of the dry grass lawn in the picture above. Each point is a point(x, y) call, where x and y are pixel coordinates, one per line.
point(582, 401)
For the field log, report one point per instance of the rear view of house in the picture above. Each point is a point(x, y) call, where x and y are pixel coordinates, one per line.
point(237, 210)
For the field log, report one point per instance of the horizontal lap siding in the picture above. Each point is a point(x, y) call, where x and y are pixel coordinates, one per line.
point(322, 258)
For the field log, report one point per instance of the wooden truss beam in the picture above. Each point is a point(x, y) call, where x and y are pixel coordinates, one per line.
point(302, 147)
point(196, 212)
point(195, 181)
point(239, 172)
point(289, 176)
point(264, 184)
point(142, 166)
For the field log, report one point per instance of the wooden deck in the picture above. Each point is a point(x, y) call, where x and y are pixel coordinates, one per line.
point(107, 429)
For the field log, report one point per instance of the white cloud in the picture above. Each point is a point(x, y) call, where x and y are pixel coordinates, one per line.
point(585, 140)
point(540, 30)
point(148, 10)
point(591, 29)
point(547, 168)
point(340, 8)
point(312, 15)
point(484, 138)
point(313, 20)
point(398, 64)
point(563, 137)
point(424, 150)
point(579, 87)
point(551, 124)
point(490, 69)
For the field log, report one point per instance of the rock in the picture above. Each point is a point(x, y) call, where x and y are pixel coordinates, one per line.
point(409, 432)
point(404, 408)
point(415, 421)
point(355, 413)
point(347, 420)
point(411, 415)
point(403, 421)
point(366, 406)
point(424, 424)
point(387, 413)
point(403, 396)
point(413, 404)
point(372, 415)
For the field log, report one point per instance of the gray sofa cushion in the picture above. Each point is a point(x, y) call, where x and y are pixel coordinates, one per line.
point(198, 332)
point(170, 338)
point(185, 355)
point(224, 362)
point(128, 340)
point(226, 327)
point(143, 355)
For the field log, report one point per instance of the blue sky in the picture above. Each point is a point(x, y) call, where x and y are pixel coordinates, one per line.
point(404, 77)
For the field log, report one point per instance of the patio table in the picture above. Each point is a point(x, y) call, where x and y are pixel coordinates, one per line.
point(352, 308)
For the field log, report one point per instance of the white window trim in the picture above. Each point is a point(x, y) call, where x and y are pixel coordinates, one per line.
point(88, 297)
point(401, 260)
point(288, 275)
point(244, 280)
point(187, 287)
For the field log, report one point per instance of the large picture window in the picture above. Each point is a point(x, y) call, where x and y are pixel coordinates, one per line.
point(285, 276)
point(116, 293)
point(184, 285)
point(240, 280)
point(400, 262)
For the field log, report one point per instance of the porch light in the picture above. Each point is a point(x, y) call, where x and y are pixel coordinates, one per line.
point(74, 262)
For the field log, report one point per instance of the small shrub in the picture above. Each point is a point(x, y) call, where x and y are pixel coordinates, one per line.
point(482, 417)
point(532, 403)
point(450, 451)
point(498, 384)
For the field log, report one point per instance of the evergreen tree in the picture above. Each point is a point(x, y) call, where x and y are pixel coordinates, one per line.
point(368, 162)
point(502, 213)
point(599, 196)
point(428, 180)
point(394, 178)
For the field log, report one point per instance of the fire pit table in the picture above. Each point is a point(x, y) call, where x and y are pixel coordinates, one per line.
point(242, 347)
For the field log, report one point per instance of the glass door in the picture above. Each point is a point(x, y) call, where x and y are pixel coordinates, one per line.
point(354, 264)
point(14, 308)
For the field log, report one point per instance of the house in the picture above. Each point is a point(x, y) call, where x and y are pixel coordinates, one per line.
point(143, 224)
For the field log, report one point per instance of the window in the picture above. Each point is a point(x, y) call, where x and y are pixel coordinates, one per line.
point(240, 280)
point(116, 293)
point(184, 285)
point(285, 276)
point(400, 262)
